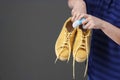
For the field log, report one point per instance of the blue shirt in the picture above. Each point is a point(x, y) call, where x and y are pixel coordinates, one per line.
point(104, 59)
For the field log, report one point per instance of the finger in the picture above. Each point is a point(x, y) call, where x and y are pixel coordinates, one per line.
point(85, 21)
point(87, 25)
point(73, 18)
point(91, 26)
point(73, 15)
point(83, 16)
point(72, 12)
point(77, 17)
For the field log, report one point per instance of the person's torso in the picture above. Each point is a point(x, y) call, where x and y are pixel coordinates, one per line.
point(104, 60)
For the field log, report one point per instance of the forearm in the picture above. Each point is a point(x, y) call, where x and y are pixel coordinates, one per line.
point(111, 31)
point(72, 3)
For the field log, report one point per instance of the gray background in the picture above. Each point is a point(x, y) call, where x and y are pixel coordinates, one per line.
point(28, 32)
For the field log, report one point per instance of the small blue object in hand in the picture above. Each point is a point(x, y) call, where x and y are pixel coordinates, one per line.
point(78, 22)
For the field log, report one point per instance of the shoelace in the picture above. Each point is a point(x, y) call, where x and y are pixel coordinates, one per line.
point(86, 67)
point(66, 44)
point(83, 47)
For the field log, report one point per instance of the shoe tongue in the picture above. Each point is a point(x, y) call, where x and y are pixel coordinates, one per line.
point(87, 32)
point(69, 26)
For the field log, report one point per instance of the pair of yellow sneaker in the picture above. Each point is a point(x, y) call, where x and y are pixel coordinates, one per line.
point(75, 40)
point(72, 40)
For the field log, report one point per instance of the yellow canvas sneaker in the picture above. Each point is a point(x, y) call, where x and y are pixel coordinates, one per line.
point(64, 43)
point(81, 47)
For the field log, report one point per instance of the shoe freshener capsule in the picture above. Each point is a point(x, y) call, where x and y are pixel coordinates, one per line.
point(77, 23)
